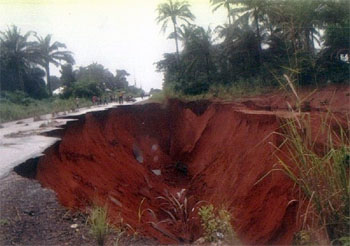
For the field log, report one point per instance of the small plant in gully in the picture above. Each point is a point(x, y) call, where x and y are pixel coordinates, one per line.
point(99, 225)
point(216, 224)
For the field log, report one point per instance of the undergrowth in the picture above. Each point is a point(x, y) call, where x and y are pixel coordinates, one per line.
point(221, 92)
point(11, 110)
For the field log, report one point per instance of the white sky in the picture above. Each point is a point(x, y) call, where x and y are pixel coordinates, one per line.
point(119, 34)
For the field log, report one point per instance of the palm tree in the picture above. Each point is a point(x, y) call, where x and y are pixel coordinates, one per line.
point(226, 4)
point(184, 34)
point(51, 53)
point(255, 9)
point(174, 11)
point(17, 56)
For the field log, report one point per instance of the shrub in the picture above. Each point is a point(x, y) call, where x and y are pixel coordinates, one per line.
point(216, 224)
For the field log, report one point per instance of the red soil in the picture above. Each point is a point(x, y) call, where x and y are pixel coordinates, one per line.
point(227, 147)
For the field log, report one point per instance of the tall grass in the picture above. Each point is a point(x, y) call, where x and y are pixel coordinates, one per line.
point(318, 162)
point(321, 172)
point(10, 111)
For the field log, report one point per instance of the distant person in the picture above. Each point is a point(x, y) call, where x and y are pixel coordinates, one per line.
point(77, 102)
point(94, 100)
point(142, 95)
point(120, 98)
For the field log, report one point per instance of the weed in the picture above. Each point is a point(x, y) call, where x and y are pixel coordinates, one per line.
point(216, 224)
point(4, 222)
point(175, 206)
point(99, 224)
point(119, 229)
point(303, 237)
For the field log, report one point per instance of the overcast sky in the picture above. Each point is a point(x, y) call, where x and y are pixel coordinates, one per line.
point(119, 34)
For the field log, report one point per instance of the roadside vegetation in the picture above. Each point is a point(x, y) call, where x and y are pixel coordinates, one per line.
point(27, 88)
point(262, 41)
point(319, 164)
point(99, 225)
point(18, 105)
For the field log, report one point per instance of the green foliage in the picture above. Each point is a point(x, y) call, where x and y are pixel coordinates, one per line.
point(99, 226)
point(47, 52)
point(216, 224)
point(248, 87)
point(68, 77)
point(20, 60)
point(4, 222)
point(17, 105)
point(95, 80)
point(264, 39)
point(174, 11)
point(344, 241)
point(322, 175)
point(83, 89)
point(303, 237)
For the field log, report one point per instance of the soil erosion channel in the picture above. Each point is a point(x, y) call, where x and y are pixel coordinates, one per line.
point(134, 159)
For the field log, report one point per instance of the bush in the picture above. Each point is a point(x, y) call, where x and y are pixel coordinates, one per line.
point(216, 224)
point(85, 89)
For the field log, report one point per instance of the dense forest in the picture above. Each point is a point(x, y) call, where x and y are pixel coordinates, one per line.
point(308, 40)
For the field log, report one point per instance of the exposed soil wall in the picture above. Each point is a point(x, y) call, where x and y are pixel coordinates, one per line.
point(133, 157)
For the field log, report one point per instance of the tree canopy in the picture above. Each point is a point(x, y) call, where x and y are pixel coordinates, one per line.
point(263, 39)
point(25, 61)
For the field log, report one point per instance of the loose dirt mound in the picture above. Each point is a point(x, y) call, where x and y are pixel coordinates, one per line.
point(138, 159)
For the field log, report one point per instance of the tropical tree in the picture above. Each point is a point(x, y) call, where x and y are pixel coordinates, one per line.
point(184, 34)
point(174, 11)
point(51, 53)
point(68, 76)
point(226, 4)
point(121, 79)
point(35, 83)
point(17, 56)
point(255, 10)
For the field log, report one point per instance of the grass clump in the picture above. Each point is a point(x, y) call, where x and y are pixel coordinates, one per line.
point(216, 224)
point(321, 170)
point(99, 226)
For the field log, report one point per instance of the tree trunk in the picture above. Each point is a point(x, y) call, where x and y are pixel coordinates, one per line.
point(258, 35)
point(176, 43)
point(229, 15)
point(47, 69)
point(207, 67)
